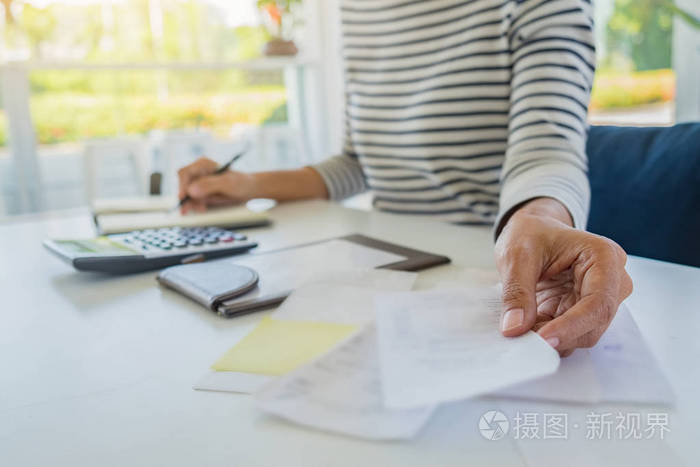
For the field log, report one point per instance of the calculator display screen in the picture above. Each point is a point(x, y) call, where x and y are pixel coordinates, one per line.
point(94, 246)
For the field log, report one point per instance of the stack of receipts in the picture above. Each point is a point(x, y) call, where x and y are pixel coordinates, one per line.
point(356, 352)
point(386, 380)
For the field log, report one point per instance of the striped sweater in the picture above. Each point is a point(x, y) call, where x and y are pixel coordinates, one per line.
point(462, 109)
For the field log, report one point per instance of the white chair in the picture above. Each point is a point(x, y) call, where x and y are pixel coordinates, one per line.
point(173, 149)
point(97, 153)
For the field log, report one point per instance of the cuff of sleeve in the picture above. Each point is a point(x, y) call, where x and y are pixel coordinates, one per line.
point(570, 188)
point(342, 175)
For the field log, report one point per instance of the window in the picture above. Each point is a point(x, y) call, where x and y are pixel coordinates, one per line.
point(635, 81)
point(115, 68)
point(76, 70)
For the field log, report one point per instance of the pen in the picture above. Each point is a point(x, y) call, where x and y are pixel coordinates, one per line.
point(218, 171)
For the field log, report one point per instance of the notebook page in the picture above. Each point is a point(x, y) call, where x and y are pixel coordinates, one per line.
point(224, 217)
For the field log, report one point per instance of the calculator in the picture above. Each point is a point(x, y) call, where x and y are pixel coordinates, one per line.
point(144, 250)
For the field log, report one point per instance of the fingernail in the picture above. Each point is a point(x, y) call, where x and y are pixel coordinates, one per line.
point(553, 341)
point(513, 319)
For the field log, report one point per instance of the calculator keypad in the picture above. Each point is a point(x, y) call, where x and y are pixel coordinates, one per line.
point(176, 239)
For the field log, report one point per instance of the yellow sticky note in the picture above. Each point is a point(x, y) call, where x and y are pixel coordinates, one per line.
point(276, 346)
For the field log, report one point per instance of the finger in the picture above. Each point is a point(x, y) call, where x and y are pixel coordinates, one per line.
point(200, 167)
point(208, 186)
point(597, 275)
point(591, 339)
point(563, 278)
point(548, 300)
point(202, 205)
point(519, 274)
point(541, 320)
point(194, 205)
point(219, 200)
point(557, 291)
point(566, 353)
point(548, 306)
point(565, 304)
point(589, 313)
point(627, 285)
point(586, 341)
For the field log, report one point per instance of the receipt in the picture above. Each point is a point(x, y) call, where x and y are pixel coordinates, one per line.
point(340, 392)
point(345, 296)
point(440, 346)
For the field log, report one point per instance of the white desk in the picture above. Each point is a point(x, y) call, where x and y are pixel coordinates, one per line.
point(98, 370)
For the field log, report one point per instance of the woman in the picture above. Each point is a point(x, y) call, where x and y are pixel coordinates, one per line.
point(473, 112)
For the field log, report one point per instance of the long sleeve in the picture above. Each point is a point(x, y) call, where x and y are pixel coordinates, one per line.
point(552, 59)
point(343, 174)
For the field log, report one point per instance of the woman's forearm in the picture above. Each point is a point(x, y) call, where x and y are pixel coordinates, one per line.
point(289, 185)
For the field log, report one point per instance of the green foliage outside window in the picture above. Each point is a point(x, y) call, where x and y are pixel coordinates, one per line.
point(71, 105)
point(639, 34)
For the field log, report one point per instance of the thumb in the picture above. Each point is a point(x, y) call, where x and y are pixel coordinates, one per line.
point(519, 278)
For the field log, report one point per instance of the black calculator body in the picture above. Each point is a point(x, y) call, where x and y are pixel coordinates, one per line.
point(144, 250)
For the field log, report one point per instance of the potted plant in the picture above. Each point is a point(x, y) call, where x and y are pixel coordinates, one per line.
point(280, 18)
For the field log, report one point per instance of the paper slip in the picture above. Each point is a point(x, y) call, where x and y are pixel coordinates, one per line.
point(626, 368)
point(340, 392)
point(456, 277)
point(275, 347)
point(619, 368)
point(574, 381)
point(313, 260)
point(231, 381)
point(345, 297)
point(440, 346)
point(374, 279)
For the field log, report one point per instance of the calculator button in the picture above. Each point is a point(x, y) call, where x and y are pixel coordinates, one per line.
point(180, 244)
point(195, 241)
point(226, 238)
point(211, 240)
point(240, 237)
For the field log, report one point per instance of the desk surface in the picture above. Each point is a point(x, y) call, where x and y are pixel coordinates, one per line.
point(98, 370)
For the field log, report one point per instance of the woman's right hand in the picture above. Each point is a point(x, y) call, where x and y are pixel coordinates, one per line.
point(206, 189)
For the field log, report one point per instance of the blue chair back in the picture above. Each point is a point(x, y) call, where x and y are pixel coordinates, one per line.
point(645, 189)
